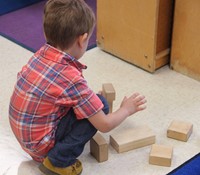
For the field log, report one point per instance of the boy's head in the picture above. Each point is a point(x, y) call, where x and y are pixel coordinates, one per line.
point(66, 20)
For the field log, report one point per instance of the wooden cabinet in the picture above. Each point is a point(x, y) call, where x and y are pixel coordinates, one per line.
point(137, 31)
point(185, 55)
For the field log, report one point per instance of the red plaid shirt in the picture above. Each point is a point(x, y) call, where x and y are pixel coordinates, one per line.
point(47, 87)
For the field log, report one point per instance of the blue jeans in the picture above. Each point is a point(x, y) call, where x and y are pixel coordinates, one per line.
point(71, 137)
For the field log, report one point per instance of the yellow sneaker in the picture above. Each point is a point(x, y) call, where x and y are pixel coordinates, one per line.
point(47, 168)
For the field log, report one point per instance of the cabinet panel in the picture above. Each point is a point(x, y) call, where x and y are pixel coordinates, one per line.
point(137, 31)
point(185, 55)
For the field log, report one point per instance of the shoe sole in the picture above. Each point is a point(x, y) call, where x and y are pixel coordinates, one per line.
point(46, 171)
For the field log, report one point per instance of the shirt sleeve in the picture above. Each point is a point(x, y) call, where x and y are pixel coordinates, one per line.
point(88, 102)
point(83, 100)
point(88, 106)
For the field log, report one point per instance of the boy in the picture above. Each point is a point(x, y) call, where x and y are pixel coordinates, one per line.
point(53, 113)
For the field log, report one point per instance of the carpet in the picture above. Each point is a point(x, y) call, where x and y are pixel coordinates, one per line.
point(190, 167)
point(24, 26)
point(11, 5)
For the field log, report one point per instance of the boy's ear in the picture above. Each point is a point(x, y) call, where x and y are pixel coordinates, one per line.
point(82, 39)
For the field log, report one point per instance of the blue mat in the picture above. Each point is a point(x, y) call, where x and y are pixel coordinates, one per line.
point(190, 167)
point(25, 27)
point(11, 5)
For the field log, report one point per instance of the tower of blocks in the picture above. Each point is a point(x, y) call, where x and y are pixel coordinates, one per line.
point(108, 92)
point(161, 155)
point(180, 130)
point(99, 147)
point(132, 139)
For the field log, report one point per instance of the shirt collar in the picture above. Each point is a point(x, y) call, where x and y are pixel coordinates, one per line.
point(53, 54)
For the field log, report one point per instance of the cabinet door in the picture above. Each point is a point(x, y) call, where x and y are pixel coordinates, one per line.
point(185, 55)
point(129, 30)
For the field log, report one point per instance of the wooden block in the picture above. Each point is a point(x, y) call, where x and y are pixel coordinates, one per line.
point(180, 130)
point(108, 92)
point(110, 107)
point(99, 148)
point(132, 139)
point(161, 155)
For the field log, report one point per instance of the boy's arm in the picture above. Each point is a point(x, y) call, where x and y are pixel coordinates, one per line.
point(129, 106)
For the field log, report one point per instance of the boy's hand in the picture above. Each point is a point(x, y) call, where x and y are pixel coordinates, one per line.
point(133, 104)
point(129, 106)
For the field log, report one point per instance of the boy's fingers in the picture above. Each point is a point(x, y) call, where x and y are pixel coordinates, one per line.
point(135, 95)
point(139, 98)
point(143, 101)
point(142, 107)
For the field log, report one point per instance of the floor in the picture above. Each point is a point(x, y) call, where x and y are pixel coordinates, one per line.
point(170, 96)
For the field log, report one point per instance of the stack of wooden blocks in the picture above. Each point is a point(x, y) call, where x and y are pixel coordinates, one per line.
point(98, 145)
point(138, 137)
point(122, 142)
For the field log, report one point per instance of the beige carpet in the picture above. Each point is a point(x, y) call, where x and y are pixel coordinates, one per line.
point(170, 96)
